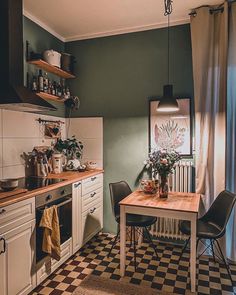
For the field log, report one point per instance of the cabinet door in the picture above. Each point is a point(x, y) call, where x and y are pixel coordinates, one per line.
point(76, 217)
point(92, 221)
point(17, 263)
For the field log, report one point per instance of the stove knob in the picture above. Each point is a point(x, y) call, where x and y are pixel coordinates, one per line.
point(48, 198)
point(63, 192)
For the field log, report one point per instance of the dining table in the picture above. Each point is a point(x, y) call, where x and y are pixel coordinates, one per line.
point(180, 206)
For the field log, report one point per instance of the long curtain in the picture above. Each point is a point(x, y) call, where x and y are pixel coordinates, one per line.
point(231, 132)
point(209, 34)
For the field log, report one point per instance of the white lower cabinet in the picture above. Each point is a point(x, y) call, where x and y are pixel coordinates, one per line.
point(87, 215)
point(17, 260)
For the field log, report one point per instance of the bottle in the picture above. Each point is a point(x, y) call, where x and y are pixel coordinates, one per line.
point(54, 88)
point(40, 81)
point(67, 92)
point(59, 90)
point(45, 82)
point(49, 87)
point(34, 84)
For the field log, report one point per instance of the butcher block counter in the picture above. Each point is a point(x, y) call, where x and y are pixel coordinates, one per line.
point(69, 176)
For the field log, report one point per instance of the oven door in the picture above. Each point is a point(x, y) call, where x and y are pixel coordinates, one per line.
point(64, 208)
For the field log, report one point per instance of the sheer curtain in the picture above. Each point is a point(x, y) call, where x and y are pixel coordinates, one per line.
point(231, 132)
point(209, 33)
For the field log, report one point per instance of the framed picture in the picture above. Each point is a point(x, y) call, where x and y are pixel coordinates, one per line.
point(171, 130)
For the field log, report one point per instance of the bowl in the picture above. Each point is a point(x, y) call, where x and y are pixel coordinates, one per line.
point(91, 165)
point(9, 184)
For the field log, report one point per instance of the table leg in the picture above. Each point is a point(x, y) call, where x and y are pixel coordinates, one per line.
point(193, 253)
point(122, 240)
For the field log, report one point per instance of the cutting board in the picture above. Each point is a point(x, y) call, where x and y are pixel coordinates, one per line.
point(4, 194)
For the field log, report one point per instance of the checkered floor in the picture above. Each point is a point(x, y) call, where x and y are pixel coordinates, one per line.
point(167, 274)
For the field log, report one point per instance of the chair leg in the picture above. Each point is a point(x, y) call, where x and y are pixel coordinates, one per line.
point(225, 262)
point(151, 242)
point(114, 243)
point(184, 248)
point(213, 252)
point(134, 243)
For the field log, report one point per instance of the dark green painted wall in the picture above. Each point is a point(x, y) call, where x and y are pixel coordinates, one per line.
point(41, 40)
point(116, 75)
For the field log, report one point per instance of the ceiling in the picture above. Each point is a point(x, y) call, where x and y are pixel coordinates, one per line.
point(83, 19)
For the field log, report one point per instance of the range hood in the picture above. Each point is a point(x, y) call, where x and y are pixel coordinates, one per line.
point(13, 94)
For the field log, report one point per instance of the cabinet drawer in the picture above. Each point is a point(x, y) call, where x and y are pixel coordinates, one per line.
point(16, 214)
point(92, 183)
point(92, 221)
point(94, 196)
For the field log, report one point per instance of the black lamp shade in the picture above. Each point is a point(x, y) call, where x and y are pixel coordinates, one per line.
point(168, 103)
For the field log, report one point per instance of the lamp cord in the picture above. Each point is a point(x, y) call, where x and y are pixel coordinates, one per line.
point(168, 11)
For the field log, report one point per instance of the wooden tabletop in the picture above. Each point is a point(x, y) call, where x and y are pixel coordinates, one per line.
point(186, 202)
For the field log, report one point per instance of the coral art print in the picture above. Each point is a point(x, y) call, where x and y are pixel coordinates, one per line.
point(171, 131)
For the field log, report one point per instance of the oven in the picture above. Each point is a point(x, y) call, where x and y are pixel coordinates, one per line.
point(62, 198)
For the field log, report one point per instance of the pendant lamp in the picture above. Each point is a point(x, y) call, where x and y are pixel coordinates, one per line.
point(168, 102)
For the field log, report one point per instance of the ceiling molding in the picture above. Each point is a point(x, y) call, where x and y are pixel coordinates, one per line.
point(43, 25)
point(126, 30)
point(105, 33)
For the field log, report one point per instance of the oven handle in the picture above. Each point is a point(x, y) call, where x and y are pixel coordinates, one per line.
point(59, 205)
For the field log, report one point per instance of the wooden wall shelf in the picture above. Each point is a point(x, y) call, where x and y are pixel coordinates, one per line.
point(45, 95)
point(51, 69)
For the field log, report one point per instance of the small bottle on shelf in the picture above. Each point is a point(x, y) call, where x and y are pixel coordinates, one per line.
point(40, 81)
point(34, 84)
point(54, 87)
point(59, 90)
point(45, 83)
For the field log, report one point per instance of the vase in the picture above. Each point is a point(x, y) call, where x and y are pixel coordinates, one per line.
point(163, 187)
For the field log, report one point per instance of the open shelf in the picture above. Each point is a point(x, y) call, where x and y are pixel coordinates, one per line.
point(45, 95)
point(51, 69)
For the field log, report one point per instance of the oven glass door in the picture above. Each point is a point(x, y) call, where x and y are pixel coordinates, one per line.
point(64, 209)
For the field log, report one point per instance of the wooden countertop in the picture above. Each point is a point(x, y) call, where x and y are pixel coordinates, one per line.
point(69, 176)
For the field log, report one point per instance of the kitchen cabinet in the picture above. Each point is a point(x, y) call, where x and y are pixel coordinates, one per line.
point(17, 248)
point(87, 212)
point(76, 216)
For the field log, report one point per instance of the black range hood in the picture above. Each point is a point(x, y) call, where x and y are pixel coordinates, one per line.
point(13, 94)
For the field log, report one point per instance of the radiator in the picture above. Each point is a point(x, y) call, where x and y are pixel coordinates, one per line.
point(180, 181)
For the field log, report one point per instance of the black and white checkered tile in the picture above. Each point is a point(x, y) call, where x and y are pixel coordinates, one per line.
point(167, 273)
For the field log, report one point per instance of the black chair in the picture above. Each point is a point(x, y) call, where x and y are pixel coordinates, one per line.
point(118, 192)
point(212, 225)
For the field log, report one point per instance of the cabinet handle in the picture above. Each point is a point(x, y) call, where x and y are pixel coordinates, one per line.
point(77, 184)
point(4, 246)
point(92, 210)
point(93, 178)
point(93, 194)
point(2, 211)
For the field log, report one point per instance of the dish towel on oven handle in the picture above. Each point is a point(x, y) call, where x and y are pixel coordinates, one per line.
point(51, 234)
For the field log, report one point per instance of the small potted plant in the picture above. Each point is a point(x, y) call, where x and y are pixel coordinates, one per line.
point(162, 164)
point(72, 149)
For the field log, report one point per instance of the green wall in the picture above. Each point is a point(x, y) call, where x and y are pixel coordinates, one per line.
point(41, 40)
point(116, 75)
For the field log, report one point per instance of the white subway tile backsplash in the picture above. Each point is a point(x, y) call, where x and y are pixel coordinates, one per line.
point(20, 124)
point(13, 149)
point(13, 171)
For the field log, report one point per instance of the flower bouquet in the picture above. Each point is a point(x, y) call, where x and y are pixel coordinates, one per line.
point(162, 163)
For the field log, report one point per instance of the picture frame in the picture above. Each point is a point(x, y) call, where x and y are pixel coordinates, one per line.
point(171, 130)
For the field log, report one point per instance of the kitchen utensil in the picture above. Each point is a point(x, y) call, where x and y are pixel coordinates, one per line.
point(9, 184)
point(52, 57)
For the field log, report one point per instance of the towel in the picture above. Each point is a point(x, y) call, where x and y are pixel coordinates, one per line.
point(51, 235)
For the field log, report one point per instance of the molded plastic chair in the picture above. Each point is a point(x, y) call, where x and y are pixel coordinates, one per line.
point(118, 192)
point(212, 225)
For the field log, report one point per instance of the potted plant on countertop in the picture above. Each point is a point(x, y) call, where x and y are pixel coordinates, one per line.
point(162, 164)
point(72, 149)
